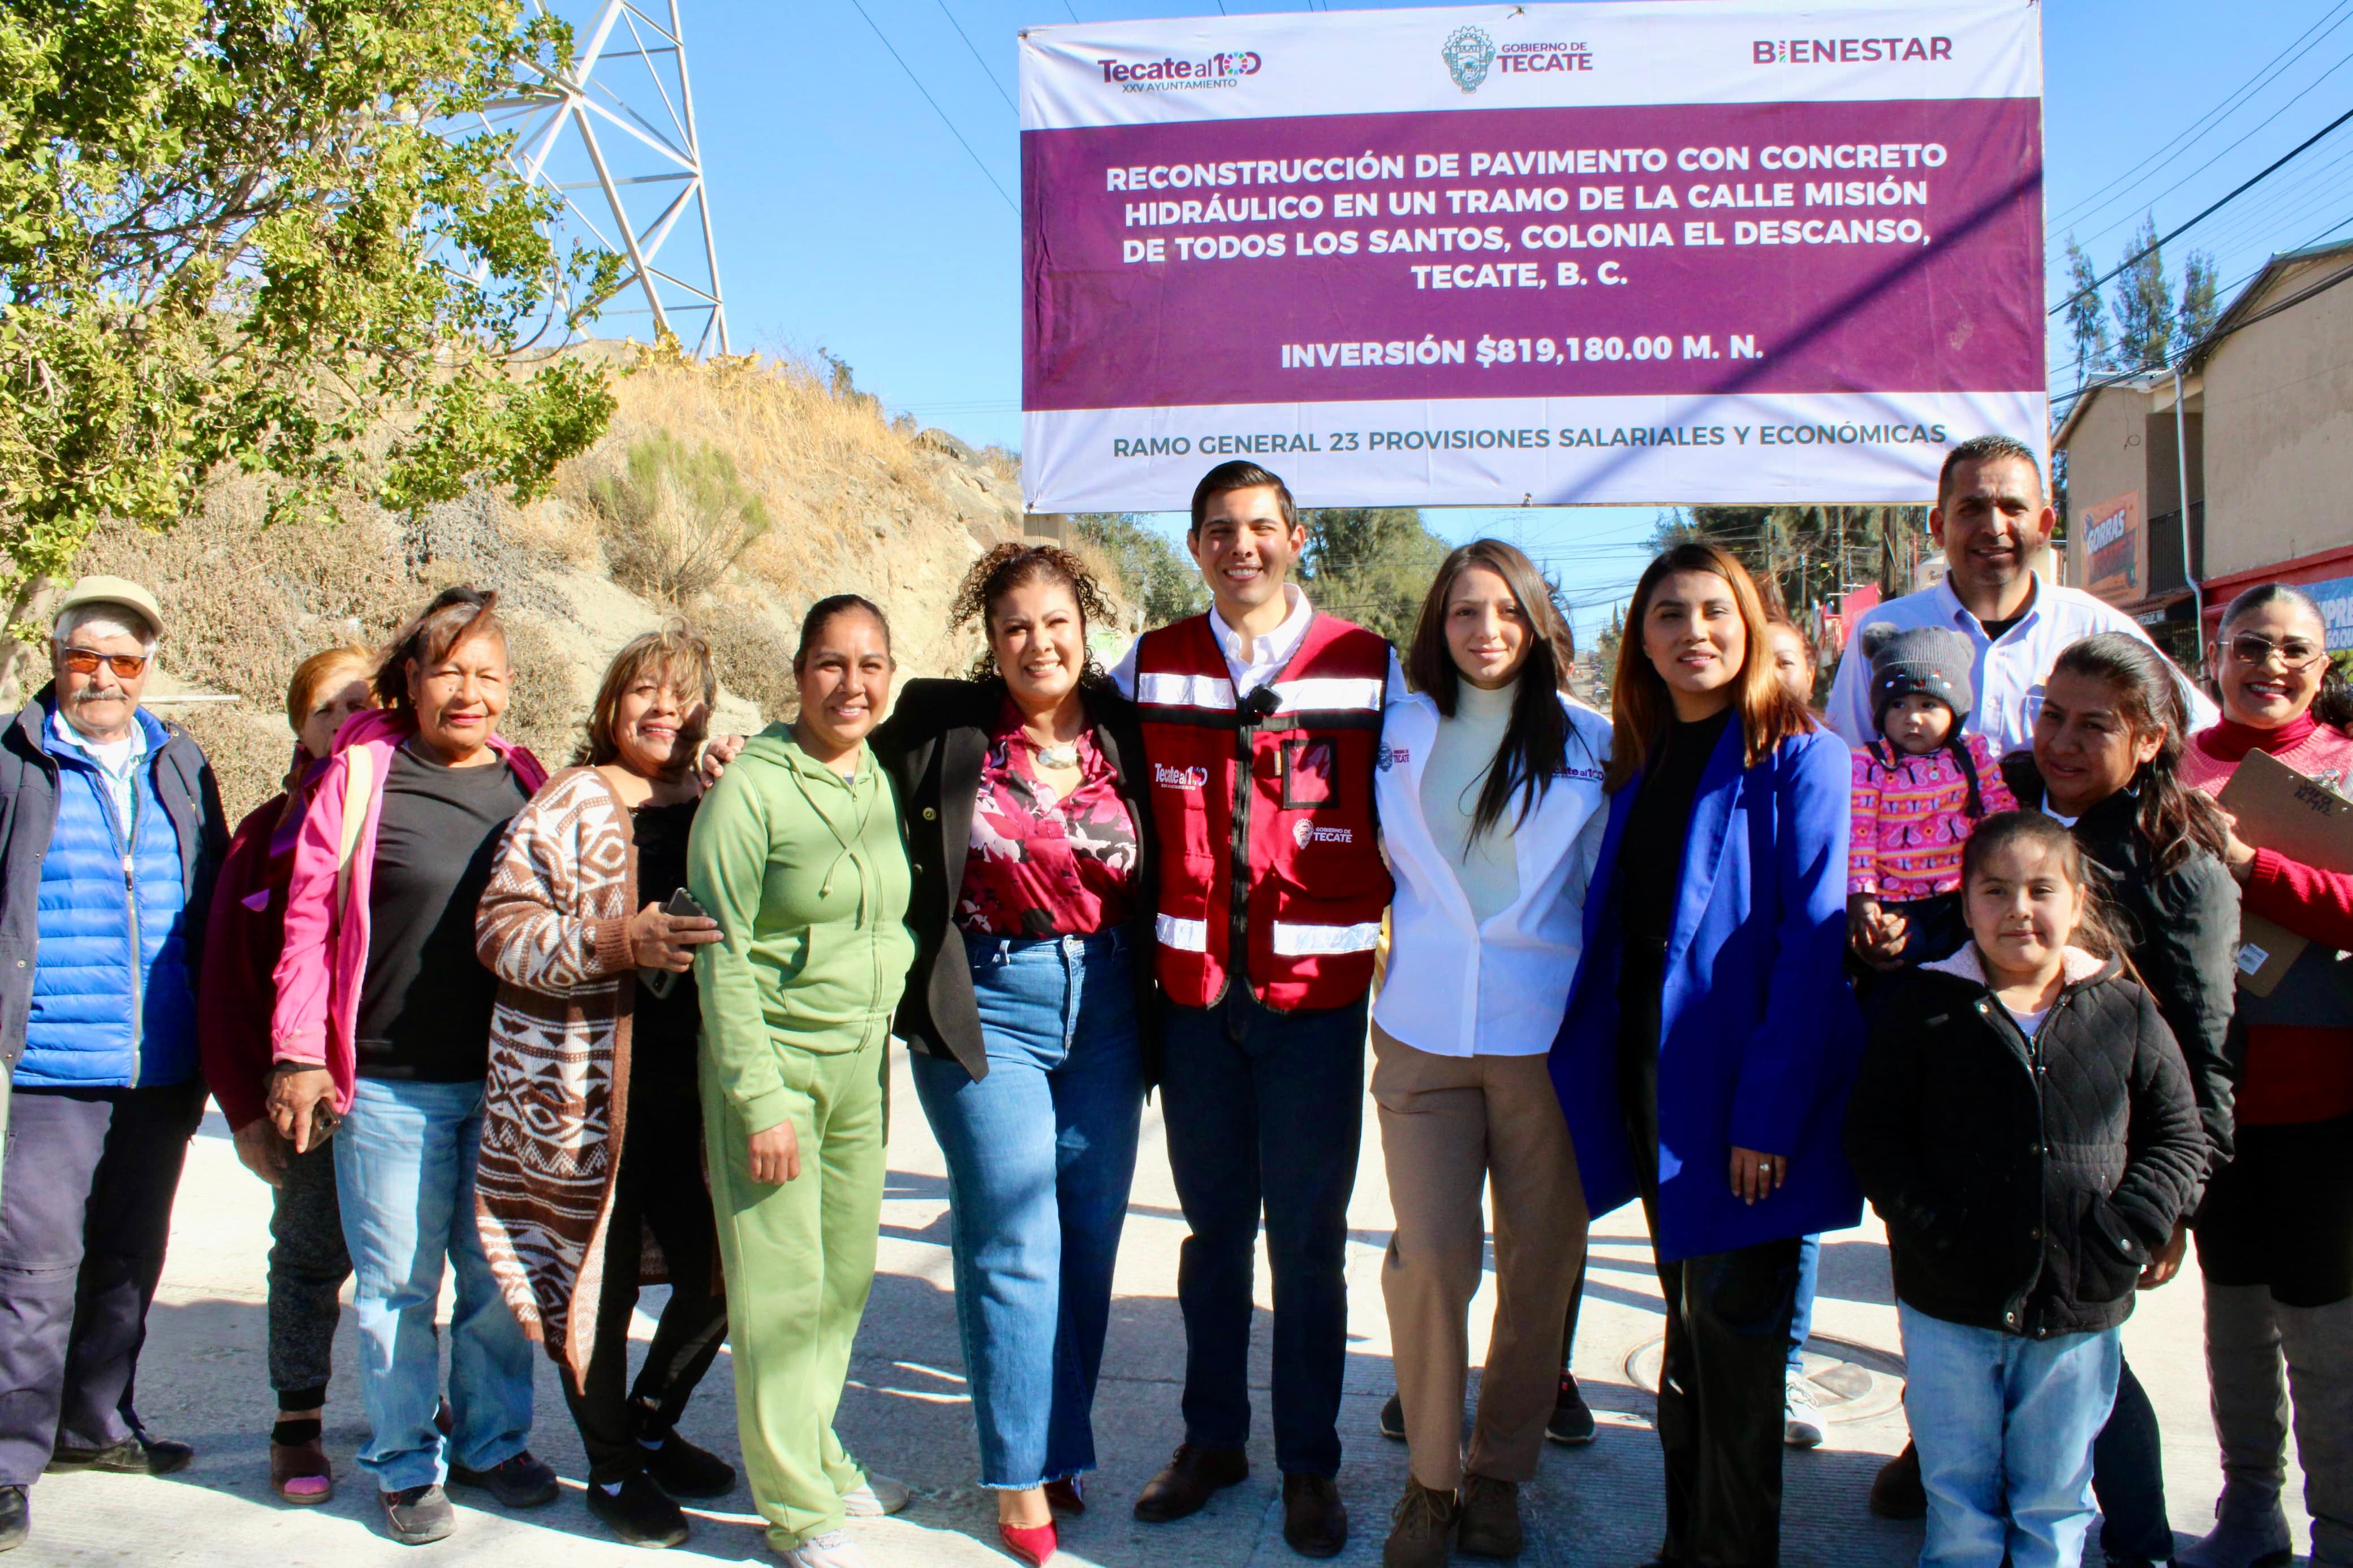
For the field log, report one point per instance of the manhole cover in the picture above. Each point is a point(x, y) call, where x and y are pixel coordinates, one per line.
point(1852, 1382)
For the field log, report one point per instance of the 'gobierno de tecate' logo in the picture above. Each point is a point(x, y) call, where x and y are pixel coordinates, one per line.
point(1468, 53)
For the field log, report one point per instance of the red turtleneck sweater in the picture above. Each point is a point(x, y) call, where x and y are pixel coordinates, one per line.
point(2294, 1073)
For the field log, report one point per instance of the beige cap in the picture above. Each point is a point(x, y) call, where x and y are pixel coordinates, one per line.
point(118, 590)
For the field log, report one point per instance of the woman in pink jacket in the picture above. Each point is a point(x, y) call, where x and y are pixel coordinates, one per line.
point(381, 1025)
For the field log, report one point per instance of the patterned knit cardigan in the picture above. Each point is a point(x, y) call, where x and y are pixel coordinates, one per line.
point(553, 925)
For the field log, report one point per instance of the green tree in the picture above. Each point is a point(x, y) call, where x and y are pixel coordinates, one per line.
point(2086, 313)
point(2144, 305)
point(2196, 316)
point(1372, 566)
point(234, 231)
point(1161, 581)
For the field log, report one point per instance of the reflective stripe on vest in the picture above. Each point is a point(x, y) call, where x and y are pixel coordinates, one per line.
point(1183, 691)
point(1185, 936)
point(1305, 942)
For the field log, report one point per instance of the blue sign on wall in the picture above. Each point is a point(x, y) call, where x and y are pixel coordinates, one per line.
point(2335, 598)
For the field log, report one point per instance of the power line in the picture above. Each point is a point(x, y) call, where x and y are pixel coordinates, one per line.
point(982, 64)
point(2235, 146)
point(941, 112)
point(2096, 284)
point(2222, 292)
point(2198, 128)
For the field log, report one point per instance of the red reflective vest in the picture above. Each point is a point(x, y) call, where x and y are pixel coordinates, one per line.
point(1273, 794)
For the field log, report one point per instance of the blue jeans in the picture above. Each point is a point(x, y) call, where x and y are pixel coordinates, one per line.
point(1264, 1111)
point(405, 1176)
point(1801, 1322)
point(1040, 1153)
point(2004, 1426)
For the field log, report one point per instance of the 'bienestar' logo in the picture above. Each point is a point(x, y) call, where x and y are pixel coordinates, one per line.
point(1167, 778)
point(1303, 833)
point(1848, 52)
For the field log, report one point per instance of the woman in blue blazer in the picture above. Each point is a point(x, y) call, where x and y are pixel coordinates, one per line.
point(1710, 1039)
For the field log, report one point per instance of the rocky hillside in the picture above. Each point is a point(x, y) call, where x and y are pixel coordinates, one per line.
point(730, 494)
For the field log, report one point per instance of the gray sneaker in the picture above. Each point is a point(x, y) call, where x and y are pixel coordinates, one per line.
point(414, 1515)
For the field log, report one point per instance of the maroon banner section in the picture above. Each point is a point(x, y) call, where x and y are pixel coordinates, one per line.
point(1829, 248)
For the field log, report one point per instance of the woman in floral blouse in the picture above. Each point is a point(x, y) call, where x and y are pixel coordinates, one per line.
point(1029, 1008)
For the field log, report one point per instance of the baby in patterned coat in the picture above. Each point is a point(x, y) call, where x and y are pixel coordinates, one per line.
point(1919, 789)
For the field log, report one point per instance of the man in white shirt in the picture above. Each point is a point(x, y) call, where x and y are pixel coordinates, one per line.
point(1992, 519)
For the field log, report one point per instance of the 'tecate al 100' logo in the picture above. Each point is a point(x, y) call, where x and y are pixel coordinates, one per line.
point(1172, 74)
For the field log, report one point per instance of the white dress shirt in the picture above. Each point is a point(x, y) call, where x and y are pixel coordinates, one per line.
point(1253, 661)
point(2007, 674)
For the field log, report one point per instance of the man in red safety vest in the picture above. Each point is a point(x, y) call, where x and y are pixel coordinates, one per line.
point(1261, 724)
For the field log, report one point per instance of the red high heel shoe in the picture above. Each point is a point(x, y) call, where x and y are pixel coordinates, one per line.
point(1034, 1545)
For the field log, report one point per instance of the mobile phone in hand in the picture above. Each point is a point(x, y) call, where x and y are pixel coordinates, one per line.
point(680, 906)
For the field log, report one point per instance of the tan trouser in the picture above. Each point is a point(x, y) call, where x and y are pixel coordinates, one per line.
point(1449, 1125)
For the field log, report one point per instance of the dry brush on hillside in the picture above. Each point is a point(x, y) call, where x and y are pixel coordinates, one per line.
point(817, 493)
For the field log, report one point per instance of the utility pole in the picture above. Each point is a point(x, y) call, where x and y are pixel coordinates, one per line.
point(613, 131)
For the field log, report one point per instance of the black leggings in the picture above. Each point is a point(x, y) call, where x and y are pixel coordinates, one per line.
point(660, 1188)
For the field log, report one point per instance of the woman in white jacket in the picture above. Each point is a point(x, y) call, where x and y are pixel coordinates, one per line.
point(1492, 813)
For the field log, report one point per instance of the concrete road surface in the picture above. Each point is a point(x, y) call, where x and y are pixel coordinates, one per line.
point(906, 1412)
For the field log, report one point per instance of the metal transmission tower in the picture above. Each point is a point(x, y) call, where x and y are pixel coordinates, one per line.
point(615, 135)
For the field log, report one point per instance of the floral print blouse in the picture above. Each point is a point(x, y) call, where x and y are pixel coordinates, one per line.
point(1042, 866)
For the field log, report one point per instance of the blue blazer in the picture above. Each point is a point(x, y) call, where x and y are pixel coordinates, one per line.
point(1760, 1038)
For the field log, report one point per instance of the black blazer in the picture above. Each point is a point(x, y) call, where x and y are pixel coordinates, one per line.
point(934, 744)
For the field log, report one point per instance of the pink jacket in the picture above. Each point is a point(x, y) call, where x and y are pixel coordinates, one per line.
point(1911, 818)
point(325, 956)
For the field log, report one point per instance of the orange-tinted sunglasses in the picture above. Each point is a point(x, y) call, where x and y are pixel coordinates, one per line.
point(85, 661)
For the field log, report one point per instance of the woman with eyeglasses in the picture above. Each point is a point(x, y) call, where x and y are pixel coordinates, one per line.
point(2275, 1234)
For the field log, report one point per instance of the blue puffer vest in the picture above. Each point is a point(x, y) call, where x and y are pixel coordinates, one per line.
point(100, 1018)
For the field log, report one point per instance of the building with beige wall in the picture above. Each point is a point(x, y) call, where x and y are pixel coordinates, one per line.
point(2268, 443)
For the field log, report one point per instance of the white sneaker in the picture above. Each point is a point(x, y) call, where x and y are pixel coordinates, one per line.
point(1801, 1422)
point(880, 1495)
point(834, 1548)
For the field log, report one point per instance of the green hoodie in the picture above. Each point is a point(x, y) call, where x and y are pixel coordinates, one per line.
point(807, 875)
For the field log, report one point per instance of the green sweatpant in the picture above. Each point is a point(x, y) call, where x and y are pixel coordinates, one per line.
point(799, 1258)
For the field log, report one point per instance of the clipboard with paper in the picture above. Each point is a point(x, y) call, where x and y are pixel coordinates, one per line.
point(2280, 809)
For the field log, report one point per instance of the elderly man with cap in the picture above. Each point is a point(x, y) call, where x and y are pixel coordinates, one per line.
point(110, 832)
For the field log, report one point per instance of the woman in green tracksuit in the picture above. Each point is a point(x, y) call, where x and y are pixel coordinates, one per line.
point(797, 853)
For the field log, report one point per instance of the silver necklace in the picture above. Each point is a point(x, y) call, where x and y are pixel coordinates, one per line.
point(1050, 756)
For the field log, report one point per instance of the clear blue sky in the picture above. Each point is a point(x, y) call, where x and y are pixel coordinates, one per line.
point(849, 218)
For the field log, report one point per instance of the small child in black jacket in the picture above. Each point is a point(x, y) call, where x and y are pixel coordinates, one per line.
point(2025, 1126)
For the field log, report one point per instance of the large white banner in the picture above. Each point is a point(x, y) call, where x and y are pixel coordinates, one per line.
point(1633, 251)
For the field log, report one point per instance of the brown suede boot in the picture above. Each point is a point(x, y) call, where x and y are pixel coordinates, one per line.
point(1421, 1528)
point(1491, 1517)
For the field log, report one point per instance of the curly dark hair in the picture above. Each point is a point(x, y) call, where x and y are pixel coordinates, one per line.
point(1014, 566)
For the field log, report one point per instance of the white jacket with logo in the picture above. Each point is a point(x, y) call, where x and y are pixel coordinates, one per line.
point(1457, 989)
